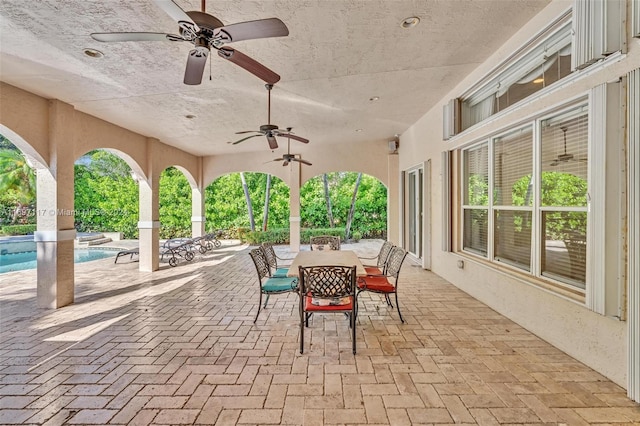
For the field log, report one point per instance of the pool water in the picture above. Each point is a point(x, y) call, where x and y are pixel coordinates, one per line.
point(27, 260)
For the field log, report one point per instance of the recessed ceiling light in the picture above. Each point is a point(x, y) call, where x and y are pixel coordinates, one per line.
point(374, 98)
point(92, 53)
point(190, 116)
point(410, 22)
point(358, 130)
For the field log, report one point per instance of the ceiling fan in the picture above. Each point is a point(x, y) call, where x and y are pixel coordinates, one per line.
point(288, 157)
point(564, 157)
point(205, 31)
point(270, 130)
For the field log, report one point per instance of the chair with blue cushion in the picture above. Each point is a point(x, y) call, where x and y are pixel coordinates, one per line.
point(278, 270)
point(270, 285)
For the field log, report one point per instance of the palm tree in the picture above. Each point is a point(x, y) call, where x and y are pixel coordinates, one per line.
point(18, 179)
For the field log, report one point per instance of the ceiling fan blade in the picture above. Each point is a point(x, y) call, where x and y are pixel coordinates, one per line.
point(178, 15)
point(244, 139)
point(300, 160)
point(195, 66)
point(247, 131)
point(262, 28)
point(279, 159)
point(286, 163)
point(294, 137)
point(273, 144)
point(251, 65)
point(115, 37)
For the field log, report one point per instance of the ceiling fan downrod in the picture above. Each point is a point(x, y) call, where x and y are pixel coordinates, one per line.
point(269, 87)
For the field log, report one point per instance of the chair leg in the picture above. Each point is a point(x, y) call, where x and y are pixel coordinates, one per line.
point(398, 307)
point(353, 331)
point(386, 296)
point(266, 301)
point(302, 325)
point(259, 305)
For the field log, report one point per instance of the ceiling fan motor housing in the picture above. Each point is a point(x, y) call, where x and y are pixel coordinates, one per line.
point(268, 128)
point(208, 25)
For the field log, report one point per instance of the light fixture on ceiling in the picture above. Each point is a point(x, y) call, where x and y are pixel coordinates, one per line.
point(410, 22)
point(538, 80)
point(374, 98)
point(92, 53)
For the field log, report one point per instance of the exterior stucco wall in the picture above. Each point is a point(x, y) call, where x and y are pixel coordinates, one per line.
point(28, 116)
point(598, 341)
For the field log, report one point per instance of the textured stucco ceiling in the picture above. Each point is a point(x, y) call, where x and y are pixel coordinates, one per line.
point(337, 56)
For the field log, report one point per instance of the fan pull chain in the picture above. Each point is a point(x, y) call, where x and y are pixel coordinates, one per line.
point(209, 65)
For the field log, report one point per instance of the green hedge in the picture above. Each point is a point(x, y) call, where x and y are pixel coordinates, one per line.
point(17, 229)
point(281, 236)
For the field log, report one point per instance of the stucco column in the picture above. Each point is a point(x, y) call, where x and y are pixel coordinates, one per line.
point(197, 213)
point(55, 228)
point(294, 206)
point(393, 198)
point(149, 224)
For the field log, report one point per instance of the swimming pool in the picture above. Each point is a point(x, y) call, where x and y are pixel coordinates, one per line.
point(27, 260)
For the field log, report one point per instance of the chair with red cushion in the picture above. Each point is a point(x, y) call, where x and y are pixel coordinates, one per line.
point(386, 283)
point(382, 257)
point(327, 289)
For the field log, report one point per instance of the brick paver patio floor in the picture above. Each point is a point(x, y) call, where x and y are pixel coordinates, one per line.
point(179, 346)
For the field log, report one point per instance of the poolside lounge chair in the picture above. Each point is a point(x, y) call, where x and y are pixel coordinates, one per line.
point(131, 252)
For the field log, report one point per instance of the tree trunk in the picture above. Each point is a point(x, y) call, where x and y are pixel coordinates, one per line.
point(252, 222)
point(328, 200)
point(267, 196)
point(347, 229)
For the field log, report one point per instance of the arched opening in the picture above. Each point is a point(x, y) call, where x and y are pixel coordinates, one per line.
point(175, 195)
point(105, 196)
point(239, 203)
point(351, 205)
point(19, 163)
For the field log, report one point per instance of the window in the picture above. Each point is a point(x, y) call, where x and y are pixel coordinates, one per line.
point(476, 199)
point(563, 198)
point(525, 197)
point(513, 197)
point(587, 33)
point(543, 62)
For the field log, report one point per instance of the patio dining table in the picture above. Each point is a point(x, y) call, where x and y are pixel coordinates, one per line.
point(326, 257)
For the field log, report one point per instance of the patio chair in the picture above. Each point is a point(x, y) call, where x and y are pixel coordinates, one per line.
point(269, 285)
point(324, 242)
point(327, 289)
point(387, 283)
point(272, 260)
point(382, 257)
point(130, 252)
